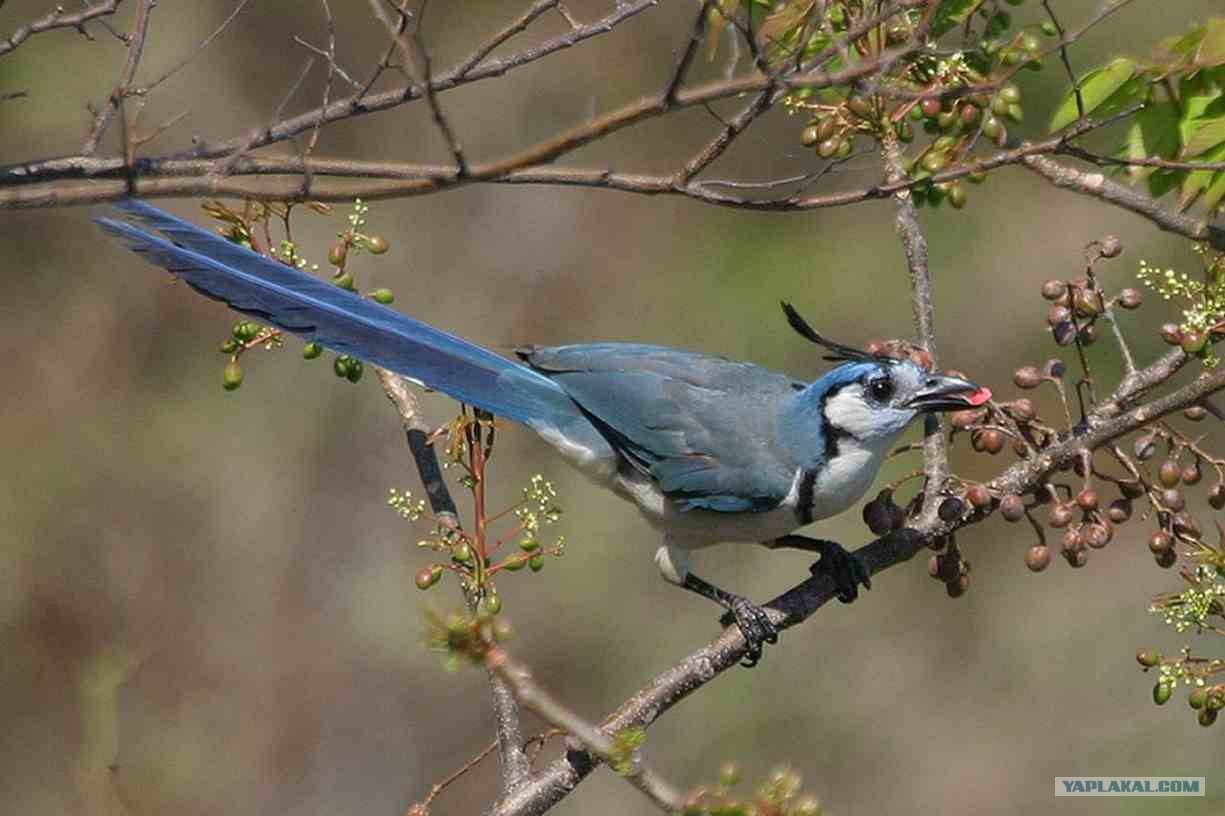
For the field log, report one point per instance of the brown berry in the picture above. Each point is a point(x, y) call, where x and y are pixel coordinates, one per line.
point(1193, 342)
point(1012, 508)
point(1160, 542)
point(1216, 496)
point(1186, 525)
point(1054, 289)
point(1096, 535)
point(1171, 334)
point(1119, 511)
point(958, 586)
point(1038, 557)
point(1172, 499)
point(1087, 499)
point(1169, 473)
point(1054, 367)
point(1195, 413)
point(1087, 334)
point(1023, 410)
point(979, 496)
point(1027, 377)
point(966, 419)
point(1167, 559)
point(1057, 314)
point(992, 441)
point(931, 107)
point(1192, 474)
point(1076, 558)
point(1111, 246)
point(1130, 298)
point(1061, 516)
point(1085, 303)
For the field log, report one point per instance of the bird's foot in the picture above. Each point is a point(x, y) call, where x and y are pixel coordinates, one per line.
point(847, 570)
point(755, 624)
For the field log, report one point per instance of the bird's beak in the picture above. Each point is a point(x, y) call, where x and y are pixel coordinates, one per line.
point(944, 393)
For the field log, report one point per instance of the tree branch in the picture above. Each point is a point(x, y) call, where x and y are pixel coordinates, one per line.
point(516, 766)
point(136, 48)
point(59, 19)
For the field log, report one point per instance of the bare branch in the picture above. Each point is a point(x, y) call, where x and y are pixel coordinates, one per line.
point(691, 49)
point(596, 741)
point(423, 79)
point(136, 48)
point(195, 52)
point(489, 46)
point(59, 19)
point(1098, 186)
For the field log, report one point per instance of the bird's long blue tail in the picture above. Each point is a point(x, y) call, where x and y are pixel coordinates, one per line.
point(275, 293)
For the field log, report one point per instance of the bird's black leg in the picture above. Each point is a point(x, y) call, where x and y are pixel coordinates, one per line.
point(845, 569)
point(751, 619)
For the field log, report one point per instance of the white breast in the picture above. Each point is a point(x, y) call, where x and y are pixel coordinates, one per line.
point(847, 476)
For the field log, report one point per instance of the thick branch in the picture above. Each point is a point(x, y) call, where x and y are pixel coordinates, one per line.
point(1098, 186)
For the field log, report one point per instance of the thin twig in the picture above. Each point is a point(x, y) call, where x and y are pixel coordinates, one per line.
point(59, 18)
point(595, 740)
point(195, 52)
point(1063, 57)
point(136, 48)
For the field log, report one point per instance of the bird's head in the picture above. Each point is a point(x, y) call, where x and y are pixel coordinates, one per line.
point(873, 397)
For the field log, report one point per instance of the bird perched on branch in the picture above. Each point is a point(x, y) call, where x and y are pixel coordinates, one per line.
point(709, 450)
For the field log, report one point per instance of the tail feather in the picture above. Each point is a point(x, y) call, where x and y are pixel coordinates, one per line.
point(278, 294)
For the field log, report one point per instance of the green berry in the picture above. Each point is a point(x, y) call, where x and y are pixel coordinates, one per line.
point(491, 604)
point(1010, 93)
point(1198, 698)
point(828, 148)
point(336, 255)
point(809, 137)
point(1162, 693)
point(1016, 113)
point(529, 544)
point(1207, 717)
point(354, 374)
point(957, 195)
point(229, 347)
point(341, 366)
point(1049, 29)
point(231, 376)
point(311, 350)
point(933, 162)
point(515, 564)
point(461, 554)
point(377, 244)
point(384, 296)
point(344, 281)
point(844, 149)
point(536, 563)
point(1148, 659)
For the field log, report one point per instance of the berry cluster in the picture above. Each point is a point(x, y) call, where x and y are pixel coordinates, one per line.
point(778, 795)
point(252, 227)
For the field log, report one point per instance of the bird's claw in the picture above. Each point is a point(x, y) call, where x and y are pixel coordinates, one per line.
point(755, 624)
point(847, 571)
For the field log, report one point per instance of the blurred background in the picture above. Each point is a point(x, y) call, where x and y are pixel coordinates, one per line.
point(207, 607)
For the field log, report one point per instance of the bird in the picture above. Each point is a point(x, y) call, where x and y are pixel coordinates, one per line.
point(710, 450)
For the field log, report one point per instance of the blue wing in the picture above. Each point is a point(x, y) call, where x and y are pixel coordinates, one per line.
point(703, 427)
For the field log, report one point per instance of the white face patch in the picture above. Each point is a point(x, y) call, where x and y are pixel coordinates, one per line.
point(851, 411)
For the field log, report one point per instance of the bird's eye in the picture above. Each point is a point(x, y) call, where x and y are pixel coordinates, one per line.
point(881, 388)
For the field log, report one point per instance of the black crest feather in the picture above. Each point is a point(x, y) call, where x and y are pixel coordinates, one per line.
point(837, 351)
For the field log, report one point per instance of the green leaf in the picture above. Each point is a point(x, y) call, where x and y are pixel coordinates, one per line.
point(1196, 93)
point(1215, 191)
point(1096, 87)
point(1197, 181)
point(1211, 49)
point(1153, 134)
point(1205, 131)
point(953, 13)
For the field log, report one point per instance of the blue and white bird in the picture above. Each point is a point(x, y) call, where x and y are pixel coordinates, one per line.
point(710, 450)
